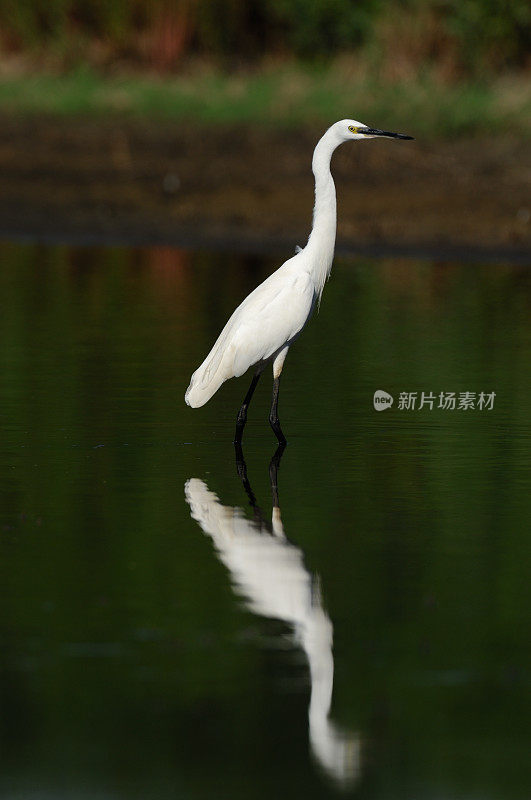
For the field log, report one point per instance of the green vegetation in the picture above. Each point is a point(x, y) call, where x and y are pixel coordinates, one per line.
point(456, 67)
point(278, 96)
point(458, 36)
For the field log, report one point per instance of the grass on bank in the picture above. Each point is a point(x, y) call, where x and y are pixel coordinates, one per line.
point(287, 96)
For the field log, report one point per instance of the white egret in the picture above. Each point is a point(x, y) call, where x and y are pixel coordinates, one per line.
point(266, 324)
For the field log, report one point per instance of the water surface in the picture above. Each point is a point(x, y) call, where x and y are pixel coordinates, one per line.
point(161, 636)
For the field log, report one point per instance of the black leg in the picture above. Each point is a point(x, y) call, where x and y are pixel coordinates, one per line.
point(273, 414)
point(242, 413)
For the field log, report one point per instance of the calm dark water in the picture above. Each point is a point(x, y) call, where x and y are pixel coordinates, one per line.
point(159, 642)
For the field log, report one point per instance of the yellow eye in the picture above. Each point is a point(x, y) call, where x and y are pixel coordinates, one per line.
point(352, 129)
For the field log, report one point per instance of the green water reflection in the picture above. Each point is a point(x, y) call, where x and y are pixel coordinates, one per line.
point(130, 665)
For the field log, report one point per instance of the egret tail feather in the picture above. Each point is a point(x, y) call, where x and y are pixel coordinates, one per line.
point(203, 386)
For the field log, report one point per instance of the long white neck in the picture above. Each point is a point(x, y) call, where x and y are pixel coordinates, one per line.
point(320, 247)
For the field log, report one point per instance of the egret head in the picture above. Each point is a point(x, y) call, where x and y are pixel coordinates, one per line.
point(351, 129)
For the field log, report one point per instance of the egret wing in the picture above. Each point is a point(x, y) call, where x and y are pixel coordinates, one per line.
point(273, 320)
point(268, 319)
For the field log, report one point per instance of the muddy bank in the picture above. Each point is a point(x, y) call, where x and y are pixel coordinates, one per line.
point(123, 181)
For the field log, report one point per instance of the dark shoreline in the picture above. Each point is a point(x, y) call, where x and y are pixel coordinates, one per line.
point(124, 182)
point(245, 243)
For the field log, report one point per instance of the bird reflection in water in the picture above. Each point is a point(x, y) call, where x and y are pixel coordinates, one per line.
point(269, 573)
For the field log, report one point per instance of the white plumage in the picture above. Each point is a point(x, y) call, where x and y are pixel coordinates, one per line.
point(268, 321)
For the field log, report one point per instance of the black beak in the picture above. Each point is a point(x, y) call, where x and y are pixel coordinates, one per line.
point(376, 132)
